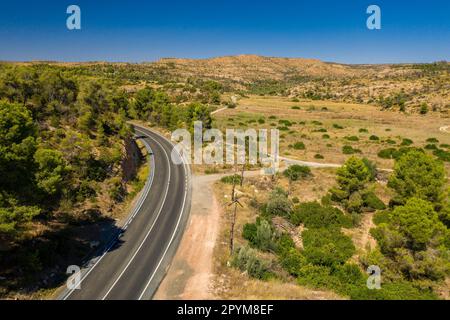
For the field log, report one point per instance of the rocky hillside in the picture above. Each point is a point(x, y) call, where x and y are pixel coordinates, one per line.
point(252, 67)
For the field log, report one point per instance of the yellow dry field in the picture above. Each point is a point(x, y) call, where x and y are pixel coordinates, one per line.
point(314, 123)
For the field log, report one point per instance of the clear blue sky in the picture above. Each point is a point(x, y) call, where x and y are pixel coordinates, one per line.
point(135, 31)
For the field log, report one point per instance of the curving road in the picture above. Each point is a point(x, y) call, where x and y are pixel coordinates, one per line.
point(133, 265)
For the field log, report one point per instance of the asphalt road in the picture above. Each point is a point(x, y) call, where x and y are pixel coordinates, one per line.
point(133, 266)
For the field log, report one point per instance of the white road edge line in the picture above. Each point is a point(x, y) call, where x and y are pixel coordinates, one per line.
point(148, 233)
point(135, 211)
point(174, 231)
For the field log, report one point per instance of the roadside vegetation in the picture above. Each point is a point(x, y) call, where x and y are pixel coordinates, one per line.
point(69, 165)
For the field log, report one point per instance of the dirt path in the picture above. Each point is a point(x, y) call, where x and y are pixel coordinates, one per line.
point(445, 129)
point(218, 110)
point(191, 271)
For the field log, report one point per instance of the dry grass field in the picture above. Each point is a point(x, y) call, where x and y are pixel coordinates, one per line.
point(324, 127)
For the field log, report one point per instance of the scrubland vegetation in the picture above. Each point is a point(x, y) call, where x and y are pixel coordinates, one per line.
point(312, 245)
point(70, 168)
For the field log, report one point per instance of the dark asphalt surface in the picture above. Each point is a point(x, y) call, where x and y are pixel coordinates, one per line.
point(133, 267)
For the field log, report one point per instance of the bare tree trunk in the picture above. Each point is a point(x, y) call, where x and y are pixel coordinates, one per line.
point(233, 218)
point(233, 222)
point(242, 174)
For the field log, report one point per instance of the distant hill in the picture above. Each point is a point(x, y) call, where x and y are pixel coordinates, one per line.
point(253, 67)
point(401, 86)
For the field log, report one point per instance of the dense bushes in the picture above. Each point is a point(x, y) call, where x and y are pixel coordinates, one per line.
point(235, 178)
point(299, 145)
point(413, 242)
point(393, 153)
point(327, 246)
point(314, 215)
point(296, 172)
point(260, 235)
point(372, 202)
point(350, 150)
point(246, 259)
point(278, 203)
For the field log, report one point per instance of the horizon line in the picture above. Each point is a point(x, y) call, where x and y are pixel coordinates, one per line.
point(82, 61)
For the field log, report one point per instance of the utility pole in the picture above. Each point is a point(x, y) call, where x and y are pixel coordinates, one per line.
point(234, 201)
point(242, 174)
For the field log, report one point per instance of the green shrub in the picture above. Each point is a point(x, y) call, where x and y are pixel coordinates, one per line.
point(295, 172)
point(374, 138)
point(326, 136)
point(337, 126)
point(354, 203)
point(265, 236)
point(406, 142)
point(351, 138)
point(399, 290)
point(278, 203)
point(115, 189)
point(363, 130)
point(246, 259)
point(430, 146)
point(423, 108)
point(432, 140)
point(349, 273)
point(315, 276)
point(390, 141)
point(381, 217)
point(284, 122)
point(284, 243)
point(314, 215)
point(372, 202)
point(318, 156)
point(442, 155)
point(349, 150)
point(292, 261)
point(327, 247)
point(249, 232)
point(299, 145)
point(295, 108)
point(371, 166)
point(235, 178)
point(387, 153)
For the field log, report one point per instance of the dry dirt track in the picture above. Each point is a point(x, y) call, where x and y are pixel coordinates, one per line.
point(445, 129)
